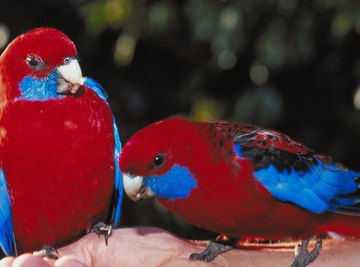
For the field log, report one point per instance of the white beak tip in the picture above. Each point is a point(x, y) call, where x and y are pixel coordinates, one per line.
point(71, 77)
point(134, 187)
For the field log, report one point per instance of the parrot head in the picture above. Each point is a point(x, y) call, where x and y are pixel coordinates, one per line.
point(156, 160)
point(39, 65)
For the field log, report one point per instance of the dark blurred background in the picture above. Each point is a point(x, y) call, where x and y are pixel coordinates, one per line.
point(286, 64)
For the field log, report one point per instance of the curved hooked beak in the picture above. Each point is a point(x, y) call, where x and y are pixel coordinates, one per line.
point(135, 188)
point(70, 79)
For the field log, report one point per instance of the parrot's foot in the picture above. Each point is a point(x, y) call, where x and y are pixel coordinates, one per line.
point(47, 251)
point(102, 228)
point(210, 252)
point(303, 256)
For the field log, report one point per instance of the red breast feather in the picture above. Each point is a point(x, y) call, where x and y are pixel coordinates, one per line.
point(59, 165)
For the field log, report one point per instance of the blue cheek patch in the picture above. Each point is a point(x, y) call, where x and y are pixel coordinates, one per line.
point(176, 183)
point(39, 89)
point(42, 89)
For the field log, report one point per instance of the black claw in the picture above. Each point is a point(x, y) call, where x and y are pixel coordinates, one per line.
point(102, 228)
point(47, 251)
point(210, 252)
point(305, 257)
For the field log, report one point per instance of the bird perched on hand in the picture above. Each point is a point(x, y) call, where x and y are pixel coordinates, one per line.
point(242, 182)
point(59, 146)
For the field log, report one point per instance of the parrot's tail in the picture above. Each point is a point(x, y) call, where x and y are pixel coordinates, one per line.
point(345, 219)
point(349, 204)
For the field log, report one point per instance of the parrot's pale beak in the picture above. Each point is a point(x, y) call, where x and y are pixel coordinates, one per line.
point(70, 79)
point(135, 189)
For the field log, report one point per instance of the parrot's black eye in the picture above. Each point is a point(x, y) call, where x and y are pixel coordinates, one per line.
point(67, 60)
point(34, 62)
point(159, 160)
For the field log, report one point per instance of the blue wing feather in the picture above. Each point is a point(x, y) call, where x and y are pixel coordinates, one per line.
point(289, 170)
point(316, 190)
point(118, 184)
point(306, 179)
point(96, 87)
point(118, 179)
point(7, 239)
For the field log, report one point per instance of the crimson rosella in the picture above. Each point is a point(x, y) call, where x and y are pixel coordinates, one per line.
point(59, 146)
point(242, 182)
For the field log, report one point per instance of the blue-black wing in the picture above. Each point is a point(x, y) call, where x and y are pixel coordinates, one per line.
point(118, 184)
point(294, 173)
point(7, 239)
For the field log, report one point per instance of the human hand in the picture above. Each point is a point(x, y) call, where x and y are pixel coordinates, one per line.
point(127, 247)
point(143, 246)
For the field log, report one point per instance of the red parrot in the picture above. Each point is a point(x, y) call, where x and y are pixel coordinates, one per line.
point(243, 182)
point(59, 146)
